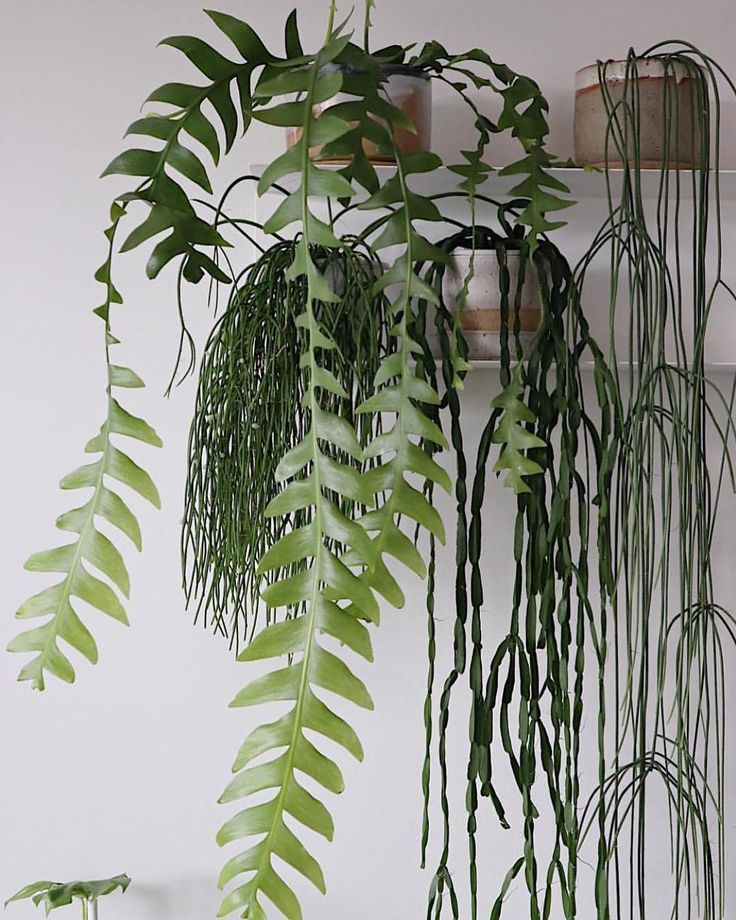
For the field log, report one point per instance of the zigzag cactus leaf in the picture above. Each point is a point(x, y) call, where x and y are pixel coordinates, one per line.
point(340, 564)
point(514, 437)
point(91, 549)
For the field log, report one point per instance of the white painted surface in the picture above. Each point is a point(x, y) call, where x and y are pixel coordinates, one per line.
point(121, 772)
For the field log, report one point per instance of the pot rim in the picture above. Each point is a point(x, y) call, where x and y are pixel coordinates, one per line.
point(389, 69)
point(406, 70)
point(465, 252)
point(656, 67)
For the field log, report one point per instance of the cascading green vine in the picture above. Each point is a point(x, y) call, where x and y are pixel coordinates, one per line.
point(664, 743)
point(169, 207)
point(250, 412)
point(524, 112)
point(331, 596)
point(92, 548)
point(320, 587)
point(393, 454)
point(310, 504)
point(614, 612)
point(548, 578)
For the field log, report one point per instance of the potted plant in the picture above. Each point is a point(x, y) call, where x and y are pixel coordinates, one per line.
point(672, 422)
point(484, 264)
point(304, 513)
point(631, 104)
point(328, 511)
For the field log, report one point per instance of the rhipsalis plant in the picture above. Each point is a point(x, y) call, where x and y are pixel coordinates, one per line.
point(616, 634)
point(663, 617)
point(250, 411)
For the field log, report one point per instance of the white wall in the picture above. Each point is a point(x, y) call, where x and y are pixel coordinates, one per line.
point(121, 772)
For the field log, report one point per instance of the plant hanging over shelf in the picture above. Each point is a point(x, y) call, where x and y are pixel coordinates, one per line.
point(332, 501)
point(662, 620)
point(250, 412)
point(612, 548)
point(299, 496)
point(542, 642)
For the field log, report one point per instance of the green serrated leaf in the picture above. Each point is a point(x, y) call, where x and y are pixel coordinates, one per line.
point(122, 422)
point(181, 95)
point(121, 467)
point(134, 163)
point(201, 129)
point(242, 36)
point(57, 603)
point(210, 62)
point(154, 125)
point(189, 165)
point(221, 98)
point(124, 377)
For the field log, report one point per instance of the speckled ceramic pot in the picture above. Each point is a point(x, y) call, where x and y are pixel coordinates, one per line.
point(481, 316)
point(410, 90)
point(657, 83)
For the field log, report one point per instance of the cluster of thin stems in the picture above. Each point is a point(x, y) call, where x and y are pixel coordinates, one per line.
point(249, 413)
point(614, 619)
point(614, 626)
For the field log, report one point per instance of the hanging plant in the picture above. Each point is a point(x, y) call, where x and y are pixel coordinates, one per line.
point(317, 437)
point(340, 479)
point(545, 441)
point(612, 549)
point(669, 461)
point(249, 413)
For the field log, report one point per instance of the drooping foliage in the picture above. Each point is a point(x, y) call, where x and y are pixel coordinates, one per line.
point(616, 641)
point(668, 630)
point(342, 566)
point(250, 412)
point(312, 503)
point(91, 550)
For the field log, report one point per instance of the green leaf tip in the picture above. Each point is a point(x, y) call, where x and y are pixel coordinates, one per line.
point(514, 437)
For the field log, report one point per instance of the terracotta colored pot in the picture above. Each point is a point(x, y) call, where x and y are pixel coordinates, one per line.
point(659, 86)
point(481, 316)
point(410, 90)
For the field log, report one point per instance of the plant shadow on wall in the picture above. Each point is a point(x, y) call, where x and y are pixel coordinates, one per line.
point(317, 444)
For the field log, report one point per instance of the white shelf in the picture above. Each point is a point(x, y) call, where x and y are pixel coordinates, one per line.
point(714, 367)
point(589, 189)
point(583, 183)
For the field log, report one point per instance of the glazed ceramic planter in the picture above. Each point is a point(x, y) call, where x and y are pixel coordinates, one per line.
point(410, 90)
point(481, 319)
point(659, 86)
